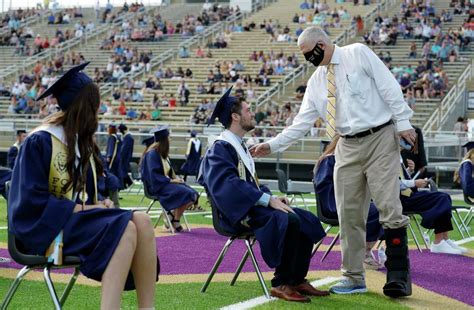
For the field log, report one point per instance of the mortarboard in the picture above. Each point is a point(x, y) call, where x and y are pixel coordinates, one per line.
point(148, 141)
point(193, 133)
point(469, 145)
point(112, 125)
point(160, 132)
point(68, 86)
point(223, 108)
point(122, 127)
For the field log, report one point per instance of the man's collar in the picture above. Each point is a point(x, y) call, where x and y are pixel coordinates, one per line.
point(336, 55)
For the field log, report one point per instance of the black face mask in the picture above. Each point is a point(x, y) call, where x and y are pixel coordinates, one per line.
point(315, 56)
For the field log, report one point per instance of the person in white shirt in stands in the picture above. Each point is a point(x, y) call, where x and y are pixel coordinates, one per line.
point(361, 101)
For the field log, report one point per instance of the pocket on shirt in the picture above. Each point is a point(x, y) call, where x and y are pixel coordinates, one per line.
point(353, 85)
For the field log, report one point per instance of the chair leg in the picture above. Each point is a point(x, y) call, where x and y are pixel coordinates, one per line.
point(167, 219)
point(14, 286)
point(241, 265)
point(458, 226)
point(304, 202)
point(331, 246)
point(317, 245)
point(149, 206)
point(217, 264)
point(186, 222)
point(257, 269)
point(463, 225)
point(420, 230)
point(414, 238)
point(50, 285)
point(69, 286)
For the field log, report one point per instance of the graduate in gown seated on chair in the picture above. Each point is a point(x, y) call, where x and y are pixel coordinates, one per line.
point(161, 181)
point(286, 235)
point(54, 198)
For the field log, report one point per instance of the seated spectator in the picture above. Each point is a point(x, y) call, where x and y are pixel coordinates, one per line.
point(183, 52)
point(200, 53)
point(305, 5)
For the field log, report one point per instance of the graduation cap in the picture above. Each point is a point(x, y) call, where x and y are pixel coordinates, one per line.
point(469, 145)
point(122, 127)
point(20, 132)
point(193, 133)
point(148, 141)
point(223, 108)
point(112, 125)
point(160, 132)
point(68, 86)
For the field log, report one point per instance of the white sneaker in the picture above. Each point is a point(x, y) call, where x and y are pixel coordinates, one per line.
point(445, 248)
point(455, 246)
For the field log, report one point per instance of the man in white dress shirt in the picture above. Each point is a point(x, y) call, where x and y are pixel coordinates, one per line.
point(362, 102)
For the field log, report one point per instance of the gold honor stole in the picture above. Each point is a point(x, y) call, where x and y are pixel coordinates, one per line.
point(243, 172)
point(115, 152)
point(58, 177)
point(167, 168)
point(190, 144)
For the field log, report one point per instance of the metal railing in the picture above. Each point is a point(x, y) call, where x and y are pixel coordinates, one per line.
point(449, 102)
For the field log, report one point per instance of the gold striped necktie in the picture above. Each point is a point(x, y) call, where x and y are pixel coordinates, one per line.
point(331, 105)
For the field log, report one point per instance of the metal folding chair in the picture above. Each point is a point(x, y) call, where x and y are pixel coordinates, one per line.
point(136, 177)
point(32, 262)
point(283, 187)
point(331, 222)
point(249, 239)
point(163, 212)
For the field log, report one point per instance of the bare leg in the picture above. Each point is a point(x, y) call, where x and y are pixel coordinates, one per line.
point(439, 237)
point(179, 211)
point(113, 279)
point(144, 261)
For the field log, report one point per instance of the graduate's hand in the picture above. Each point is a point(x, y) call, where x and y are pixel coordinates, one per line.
point(278, 205)
point(421, 183)
point(108, 203)
point(411, 165)
point(259, 150)
point(284, 199)
point(177, 181)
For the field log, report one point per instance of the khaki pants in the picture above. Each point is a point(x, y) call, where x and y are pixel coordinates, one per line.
point(366, 168)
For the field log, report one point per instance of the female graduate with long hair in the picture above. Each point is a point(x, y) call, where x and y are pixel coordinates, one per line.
point(54, 193)
point(161, 180)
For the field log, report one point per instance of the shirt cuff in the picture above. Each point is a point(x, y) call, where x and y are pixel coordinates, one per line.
point(273, 145)
point(404, 125)
point(404, 184)
point(264, 200)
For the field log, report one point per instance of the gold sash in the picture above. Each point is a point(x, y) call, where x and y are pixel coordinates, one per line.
point(58, 177)
point(167, 168)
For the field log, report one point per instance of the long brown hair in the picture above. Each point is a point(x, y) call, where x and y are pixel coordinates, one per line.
point(80, 119)
point(469, 155)
point(329, 150)
point(162, 147)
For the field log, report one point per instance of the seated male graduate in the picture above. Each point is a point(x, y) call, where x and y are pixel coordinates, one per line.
point(286, 235)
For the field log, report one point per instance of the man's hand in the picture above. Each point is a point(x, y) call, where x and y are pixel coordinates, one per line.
point(408, 135)
point(278, 205)
point(411, 165)
point(260, 150)
point(177, 181)
point(284, 199)
point(421, 183)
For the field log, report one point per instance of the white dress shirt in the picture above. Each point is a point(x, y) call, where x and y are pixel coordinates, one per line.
point(367, 96)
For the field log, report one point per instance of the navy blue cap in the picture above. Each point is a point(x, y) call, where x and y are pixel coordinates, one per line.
point(223, 108)
point(193, 133)
point(112, 125)
point(160, 132)
point(469, 145)
point(148, 141)
point(68, 86)
point(122, 127)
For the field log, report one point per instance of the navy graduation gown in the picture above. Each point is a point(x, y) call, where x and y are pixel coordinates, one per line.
point(430, 205)
point(11, 156)
point(191, 165)
point(467, 183)
point(323, 182)
point(126, 156)
point(5, 176)
point(36, 216)
point(107, 182)
point(170, 195)
point(114, 162)
point(236, 198)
